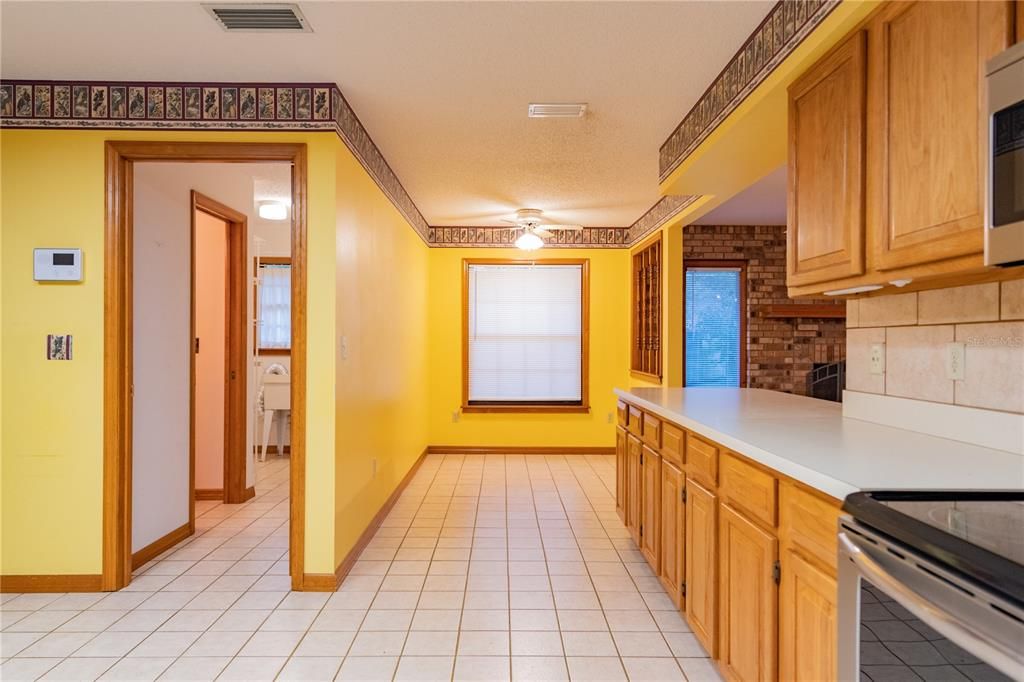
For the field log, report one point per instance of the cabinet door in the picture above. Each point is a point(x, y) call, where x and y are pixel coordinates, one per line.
point(673, 516)
point(701, 541)
point(621, 453)
point(633, 452)
point(807, 621)
point(825, 237)
point(748, 598)
point(926, 121)
point(650, 516)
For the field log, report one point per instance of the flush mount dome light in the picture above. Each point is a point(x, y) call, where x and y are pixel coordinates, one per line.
point(273, 210)
point(528, 241)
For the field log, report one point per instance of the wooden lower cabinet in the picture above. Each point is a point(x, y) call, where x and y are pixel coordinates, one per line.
point(673, 519)
point(621, 454)
point(634, 450)
point(748, 597)
point(807, 621)
point(702, 564)
point(650, 506)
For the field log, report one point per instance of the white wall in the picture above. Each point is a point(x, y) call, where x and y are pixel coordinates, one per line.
point(160, 438)
point(161, 355)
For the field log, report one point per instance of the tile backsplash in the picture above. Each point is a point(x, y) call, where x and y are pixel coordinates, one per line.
point(917, 328)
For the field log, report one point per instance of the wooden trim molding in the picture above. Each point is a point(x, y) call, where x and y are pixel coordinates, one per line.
point(327, 582)
point(51, 583)
point(519, 450)
point(210, 494)
point(161, 545)
point(525, 407)
point(117, 336)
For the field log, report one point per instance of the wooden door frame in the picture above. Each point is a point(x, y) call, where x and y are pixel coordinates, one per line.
point(236, 307)
point(120, 158)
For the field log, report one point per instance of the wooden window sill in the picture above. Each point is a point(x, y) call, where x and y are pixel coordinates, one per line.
point(274, 351)
point(645, 375)
point(526, 409)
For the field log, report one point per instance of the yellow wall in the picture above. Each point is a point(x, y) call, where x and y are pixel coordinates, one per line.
point(609, 356)
point(51, 455)
point(381, 387)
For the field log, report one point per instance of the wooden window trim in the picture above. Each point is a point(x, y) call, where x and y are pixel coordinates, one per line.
point(744, 313)
point(256, 262)
point(529, 407)
point(646, 311)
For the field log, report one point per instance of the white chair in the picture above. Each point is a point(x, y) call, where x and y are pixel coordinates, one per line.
point(275, 402)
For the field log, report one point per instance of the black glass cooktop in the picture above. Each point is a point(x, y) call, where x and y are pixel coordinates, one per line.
point(979, 534)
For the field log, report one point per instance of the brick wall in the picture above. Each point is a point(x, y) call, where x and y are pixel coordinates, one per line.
point(780, 352)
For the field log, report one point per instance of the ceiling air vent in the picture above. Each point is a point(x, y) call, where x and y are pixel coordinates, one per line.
point(557, 110)
point(259, 18)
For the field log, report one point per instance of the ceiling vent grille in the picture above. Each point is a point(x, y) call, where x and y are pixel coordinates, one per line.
point(557, 110)
point(259, 18)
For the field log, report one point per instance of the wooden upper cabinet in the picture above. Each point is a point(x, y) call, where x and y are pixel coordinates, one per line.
point(825, 238)
point(925, 127)
point(701, 540)
point(673, 515)
point(621, 454)
point(748, 614)
point(807, 621)
point(650, 508)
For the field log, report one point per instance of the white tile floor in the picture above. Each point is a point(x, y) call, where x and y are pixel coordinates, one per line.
point(488, 568)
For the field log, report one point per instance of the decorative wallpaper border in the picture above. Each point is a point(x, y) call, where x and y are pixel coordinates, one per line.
point(484, 237)
point(121, 105)
point(117, 105)
point(785, 27)
point(663, 211)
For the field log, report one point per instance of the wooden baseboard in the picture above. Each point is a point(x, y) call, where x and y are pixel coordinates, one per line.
point(323, 582)
point(250, 493)
point(161, 545)
point(210, 494)
point(51, 583)
point(518, 450)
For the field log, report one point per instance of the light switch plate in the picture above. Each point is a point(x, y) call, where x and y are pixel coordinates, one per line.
point(956, 358)
point(876, 361)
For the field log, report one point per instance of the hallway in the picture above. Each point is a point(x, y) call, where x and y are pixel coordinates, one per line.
point(488, 568)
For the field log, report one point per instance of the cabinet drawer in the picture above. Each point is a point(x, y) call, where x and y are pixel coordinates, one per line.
point(635, 424)
point(748, 488)
point(672, 443)
point(622, 413)
point(702, 460)
point(808, 522)
point(652, 431)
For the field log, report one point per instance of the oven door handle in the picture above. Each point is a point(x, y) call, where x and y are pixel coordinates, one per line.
point(1007, 661)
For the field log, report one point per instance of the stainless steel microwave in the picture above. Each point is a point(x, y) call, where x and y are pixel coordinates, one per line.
point(1004, 159)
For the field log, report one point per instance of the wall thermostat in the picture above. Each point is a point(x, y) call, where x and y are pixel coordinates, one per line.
point(57, 265)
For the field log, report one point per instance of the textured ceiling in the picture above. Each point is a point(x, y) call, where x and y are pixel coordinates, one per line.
point(442, 87)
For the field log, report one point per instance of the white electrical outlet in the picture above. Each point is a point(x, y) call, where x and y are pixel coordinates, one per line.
point(343, 347)
point(611, 417)
point(373, 465)
point(956, 356)
point(455, 417)
point(877, 358)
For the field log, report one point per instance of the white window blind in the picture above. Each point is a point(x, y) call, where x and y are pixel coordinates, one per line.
point(274, 306)
point(525, 333)
point(713, 327)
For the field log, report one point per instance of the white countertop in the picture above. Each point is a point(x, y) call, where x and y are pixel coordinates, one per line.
point(810, 440)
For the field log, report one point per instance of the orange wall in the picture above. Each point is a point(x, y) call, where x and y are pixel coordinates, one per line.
point(210, 309)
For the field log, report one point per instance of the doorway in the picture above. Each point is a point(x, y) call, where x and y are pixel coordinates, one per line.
point(219, 372)
point(121, 380)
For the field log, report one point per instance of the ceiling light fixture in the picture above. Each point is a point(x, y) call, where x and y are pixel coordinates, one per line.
point(273, 210)
point(528, 241)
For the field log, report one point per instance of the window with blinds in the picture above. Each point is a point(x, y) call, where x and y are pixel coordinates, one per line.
point(715, 326)
point(274, 305)
point(525, 331)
